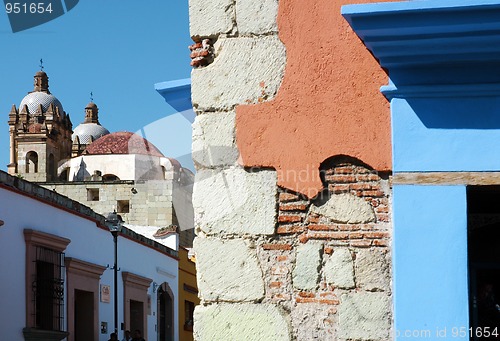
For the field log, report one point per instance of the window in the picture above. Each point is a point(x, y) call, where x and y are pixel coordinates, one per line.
point(44, 282)
point(92, 194)
point(31, 162)
point(122, 206)
point(48, 288)
point(52, 168)
point(188, 315)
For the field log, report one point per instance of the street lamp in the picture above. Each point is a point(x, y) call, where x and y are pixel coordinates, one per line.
point(114, 223)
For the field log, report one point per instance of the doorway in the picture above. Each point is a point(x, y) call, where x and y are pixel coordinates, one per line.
point(165, 313)
point(137, 316)
point(483, 226)
point(84, 315)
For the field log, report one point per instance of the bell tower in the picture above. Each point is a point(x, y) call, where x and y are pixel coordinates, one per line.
point(40, 134)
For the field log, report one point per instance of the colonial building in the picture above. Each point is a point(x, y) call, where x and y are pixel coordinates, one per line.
point(40, 134)
point(103, 170)
point(81, 172)
point(57, 256)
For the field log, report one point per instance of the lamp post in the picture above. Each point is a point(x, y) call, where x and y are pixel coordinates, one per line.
point(114, 223)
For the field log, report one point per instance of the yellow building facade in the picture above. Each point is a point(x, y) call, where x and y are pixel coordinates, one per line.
point(188, 294)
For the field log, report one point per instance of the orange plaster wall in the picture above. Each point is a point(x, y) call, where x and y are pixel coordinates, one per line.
point(329, 102)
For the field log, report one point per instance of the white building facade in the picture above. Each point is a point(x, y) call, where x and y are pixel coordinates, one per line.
point(57, 283)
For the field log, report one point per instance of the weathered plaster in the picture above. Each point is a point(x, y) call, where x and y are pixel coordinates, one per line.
point(329, 102)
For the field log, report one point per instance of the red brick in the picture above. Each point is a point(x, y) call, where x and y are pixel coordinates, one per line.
point(314, 227)
point(286, 197)
point(328, 250)
point(383, 217)
point(341, 178)
point(346, 227)
point(338, 188)
point(376, 235)
point(355, 235)
point(327, 294)
point(290, 229)
point(378, 242)
point(277, 247)
point(281, 258)
point(289, 218)
point(360, 186)
point(303, 238)
point(275, 284)
point(361, 243)
point(202, 53)
point(293, 207)
point(373, 193)
point(305, 300)
point(313, 220)
point(332, 235)
point(307, 294)
point(344, 170)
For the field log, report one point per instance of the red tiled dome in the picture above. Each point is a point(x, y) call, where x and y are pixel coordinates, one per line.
point(122, 143)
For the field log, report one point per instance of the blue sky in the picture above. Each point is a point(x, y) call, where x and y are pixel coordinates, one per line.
point(118, 49)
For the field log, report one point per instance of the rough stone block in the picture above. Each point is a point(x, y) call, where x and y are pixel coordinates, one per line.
point(245, 322)
point(339, 269)
point(346, 209)
point(214, 140)
point(313, 321)
point(372, 269)
point(210, 19)
point(256, 16)
point(228, 270)
point(364, 316)
point(307, 266)
point(235, 201)
point(246, 70)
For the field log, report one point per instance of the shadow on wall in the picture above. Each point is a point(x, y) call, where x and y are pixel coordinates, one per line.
point(459, 113)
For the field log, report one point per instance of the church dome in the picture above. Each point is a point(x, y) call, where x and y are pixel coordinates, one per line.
point(122, 143)
point(88, 132)
point(34, 99)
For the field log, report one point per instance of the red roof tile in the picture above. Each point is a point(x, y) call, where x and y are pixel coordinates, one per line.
point(122, 143)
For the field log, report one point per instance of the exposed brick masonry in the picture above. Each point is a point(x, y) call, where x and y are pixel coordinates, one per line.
point(297, 225)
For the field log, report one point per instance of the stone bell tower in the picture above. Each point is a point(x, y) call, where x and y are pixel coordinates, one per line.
point(40, 134)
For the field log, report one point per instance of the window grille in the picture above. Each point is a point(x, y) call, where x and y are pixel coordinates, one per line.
point(48, 289)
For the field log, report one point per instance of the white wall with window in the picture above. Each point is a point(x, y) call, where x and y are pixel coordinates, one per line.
point(54, 255)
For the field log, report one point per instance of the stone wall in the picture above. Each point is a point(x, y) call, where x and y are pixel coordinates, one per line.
point(150, 202)
point(309, 261)
point(322, 269)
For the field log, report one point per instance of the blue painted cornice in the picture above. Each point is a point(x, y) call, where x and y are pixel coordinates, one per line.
point(448, 43)
point(177, 93)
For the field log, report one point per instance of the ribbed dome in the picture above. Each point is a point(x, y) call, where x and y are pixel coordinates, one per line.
point(34, 99)
point(89, 132)
point(123, 143)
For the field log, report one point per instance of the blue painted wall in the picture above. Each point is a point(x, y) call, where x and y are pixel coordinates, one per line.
point(430, 261)
point(446, 134)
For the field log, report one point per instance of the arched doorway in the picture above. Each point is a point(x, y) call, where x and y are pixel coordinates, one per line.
point(165, 301)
